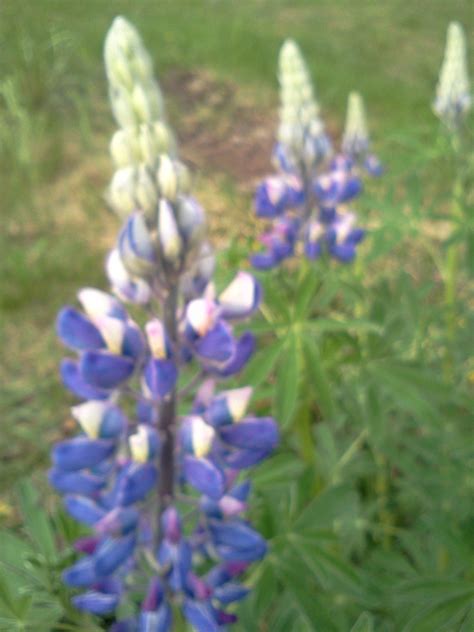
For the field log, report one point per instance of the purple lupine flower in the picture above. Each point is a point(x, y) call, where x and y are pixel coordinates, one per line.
point(125, 476)
point(317, 215)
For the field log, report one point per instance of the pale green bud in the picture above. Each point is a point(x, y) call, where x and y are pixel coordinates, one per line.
point(122, 191)
point(167, 178)
point(145, 191)
point(122, 106)
point(170, 239)
point(146, 102)
point(453, 96)
point(124, 147)
point(155, 139)
point(355, 140)
point(191, 219)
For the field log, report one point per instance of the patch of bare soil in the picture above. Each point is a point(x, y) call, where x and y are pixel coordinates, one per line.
point(218, 129)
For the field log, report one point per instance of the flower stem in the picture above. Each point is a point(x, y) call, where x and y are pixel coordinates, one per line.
point(167, 421)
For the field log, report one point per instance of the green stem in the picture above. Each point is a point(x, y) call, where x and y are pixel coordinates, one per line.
point(451, 270)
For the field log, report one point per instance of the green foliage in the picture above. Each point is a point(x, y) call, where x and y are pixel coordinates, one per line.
point(32, 595)
point(368, 503)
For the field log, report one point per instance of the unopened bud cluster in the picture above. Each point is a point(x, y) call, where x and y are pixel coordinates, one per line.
point(156, 470)
point(307, 200)
point(453, 97)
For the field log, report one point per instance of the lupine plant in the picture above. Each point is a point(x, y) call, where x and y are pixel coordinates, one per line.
point(307, 200)
point(452, 104)
point(155, 473)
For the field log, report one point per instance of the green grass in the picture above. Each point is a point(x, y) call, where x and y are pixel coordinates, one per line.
point(55, 124)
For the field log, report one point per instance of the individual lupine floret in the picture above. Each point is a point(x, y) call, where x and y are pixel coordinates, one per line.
point(162, 263)
point(453, 96)
point(109, 344)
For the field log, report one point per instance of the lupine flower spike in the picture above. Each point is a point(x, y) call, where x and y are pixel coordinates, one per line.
point(162, 494)
point(306, 201)
point(453, 97)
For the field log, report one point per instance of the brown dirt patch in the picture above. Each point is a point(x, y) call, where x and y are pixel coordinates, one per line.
point(218, 129)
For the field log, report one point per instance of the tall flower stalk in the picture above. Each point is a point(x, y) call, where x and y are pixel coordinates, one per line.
point(156, 471)
point(452, 104)
point(307, 200)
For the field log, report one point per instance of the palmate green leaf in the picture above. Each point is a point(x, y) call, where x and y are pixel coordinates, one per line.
point(365, 623)
point(331, 571)
point(334, 507)
point(36, 520)
point(262, 364)
point(440, 616)
point(332, 325)
point(287, 382)
point(281, 468)
point(304, 594)
point(318, 382)
point(262, 600)
point(468, 622)
point(306, 294)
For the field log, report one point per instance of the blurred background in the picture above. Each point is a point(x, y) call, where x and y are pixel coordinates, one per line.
point(216, 61)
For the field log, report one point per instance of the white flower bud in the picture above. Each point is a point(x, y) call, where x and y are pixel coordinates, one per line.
point(167, 178)
point(453, 97)
point(122, 191)
point(191, 219)
point(122, 106)
point(124, 147)
point(299, 109)
point(145, 191)
point(355, 140)
point(146, 102)
point(170, 239)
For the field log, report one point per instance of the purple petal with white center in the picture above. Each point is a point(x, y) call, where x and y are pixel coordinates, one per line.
point(73, 380)
point(105, 370)
point(97, 303)
point(96, 603)
point(112, 553)
point(83, 509)
point(77, 331)
point(81, 575)
point(271, 197)
point(204, 476)
point(200, 616)
point(75, 482)
point(241, 297)
point(217, 345)
point(160, 377)
point(81, 452)
point(258, 433)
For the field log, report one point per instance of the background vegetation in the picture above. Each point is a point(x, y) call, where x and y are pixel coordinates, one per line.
point(369, 502)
